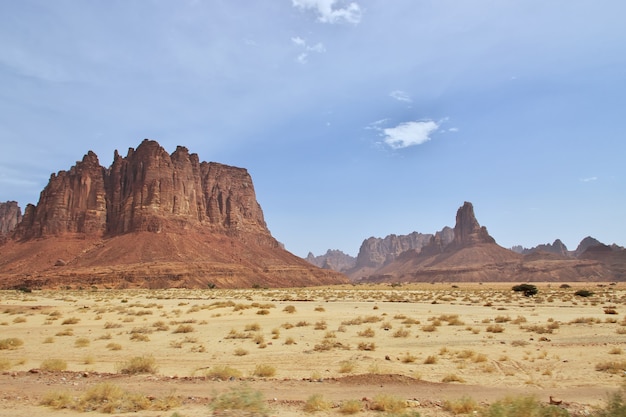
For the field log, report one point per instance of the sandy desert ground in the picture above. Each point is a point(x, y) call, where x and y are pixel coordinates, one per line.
point(352, 349)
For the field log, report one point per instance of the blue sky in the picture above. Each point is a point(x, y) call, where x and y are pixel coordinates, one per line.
point(355, 118)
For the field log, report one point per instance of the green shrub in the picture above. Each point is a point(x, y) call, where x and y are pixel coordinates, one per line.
point(583, 293)
point(528, 289)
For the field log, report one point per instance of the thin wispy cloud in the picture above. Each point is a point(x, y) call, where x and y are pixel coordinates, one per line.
point(409, 134)
point(589, 179)
point(331, 11)
point(400, 96)
point(302, 43)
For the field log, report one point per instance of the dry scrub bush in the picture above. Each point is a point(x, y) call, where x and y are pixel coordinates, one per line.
point(401, 333)
point(494, 328)
point(264, 371)
point(368, 332)
point(66, 332)
point(240, 352)
point(367, 346)
point(81, 342)
point(452, 378)
point(184, 328)
point(70, 320)
point(464, 405)
point(53, 365)
point(4, 364)
point(408, 358)
point(289, 309)
point(522, 407)
point(145, 364)
point(222, 373)
point(388, 403)
point(321, 325)
point(349, 407)
point(430, 360)
point(612, 367)
point(316, 402)
point(114, 346)
point(240, 399)
point(320, 309)
point(10, 343)
point(345, 367)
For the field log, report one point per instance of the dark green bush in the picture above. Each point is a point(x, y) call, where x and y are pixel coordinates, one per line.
point(528, 289)
point(583, 293)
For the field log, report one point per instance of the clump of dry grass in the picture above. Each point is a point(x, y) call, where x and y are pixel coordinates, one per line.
point(10, 343)
point(53, 365)
point(242, 399)
point(452, 378)
point(81, 342)
point(114, 346)
point(350, 407)
point(430, 360)
point(289, 309)
point(264, 371)
point(184, 328)
point(145, 364)
point(316, 402)
point(346, 367)
point(368, 332)
point(612, 367)
point(464, 405)
point(371, 346)
point(70, 320)
point(388, 403)
point(222, 373)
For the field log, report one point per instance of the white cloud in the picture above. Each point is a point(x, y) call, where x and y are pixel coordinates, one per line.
point(409, 133)
point(400, 96)
point(589, 179)
point(328, 12)
point(300, 42)
point(453, 129)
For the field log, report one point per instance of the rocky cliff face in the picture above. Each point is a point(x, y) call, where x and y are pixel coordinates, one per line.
point(150, 220)
point(467, 231)
point(10, 216)
point(148, 190)
point(557, 248)
point(375, 252)
point(332, 259)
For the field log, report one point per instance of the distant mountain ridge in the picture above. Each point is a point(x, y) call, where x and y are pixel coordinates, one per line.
point(469, 253)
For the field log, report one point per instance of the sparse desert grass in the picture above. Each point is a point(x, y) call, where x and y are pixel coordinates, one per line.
point(319, 309)
point(290, 341)
point(289, 309)
point(430, 360)
point(184, 328)
point(110, 325)
point(222, 372)
point(145, 364)
point(264, 371)
point(367, 346)
point(139, 337)
point(349, 407)
point(65, 332)
point(346, 367)
point(452, 378)
point(408, 358)
point(10, 343)
point(114, 346)
point(612, 367)
point(402, 332)
point(523, 406)
point(240, 352)
point(81, 342)
point(53, 365)
point(240, 399)
point(464, 405)
point(388, 403)
point(368, 332)
point(495, 328)
point(321, 325)
point(615, 350)
point(19, 320)
point(70, 320)
point(316, 402)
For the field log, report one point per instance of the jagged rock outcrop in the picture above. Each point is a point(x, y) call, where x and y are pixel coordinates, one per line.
point(474, 256)
point(585, 244)
point(10, 216)
point(467, 231)
point(72, 202)
point(195, 223)
point(375, 252)
point(333, 259)
point(557, 248)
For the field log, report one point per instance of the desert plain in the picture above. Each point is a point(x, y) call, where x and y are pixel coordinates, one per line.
point(413, 349)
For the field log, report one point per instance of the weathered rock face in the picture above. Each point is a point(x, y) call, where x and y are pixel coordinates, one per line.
point(10, 216)
point(151, 220)
point(467, 231)
point(557, 248)
point(375, 252)
point(585, 244)
point(332, 259)
point(148, 190)
point(72, 202)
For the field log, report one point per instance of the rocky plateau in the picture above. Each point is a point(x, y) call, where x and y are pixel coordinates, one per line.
point(152, 220)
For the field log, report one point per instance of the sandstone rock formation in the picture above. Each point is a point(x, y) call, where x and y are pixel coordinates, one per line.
point(10, 216)
point(474, 256)
point(151, 219)
point(332, 259)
